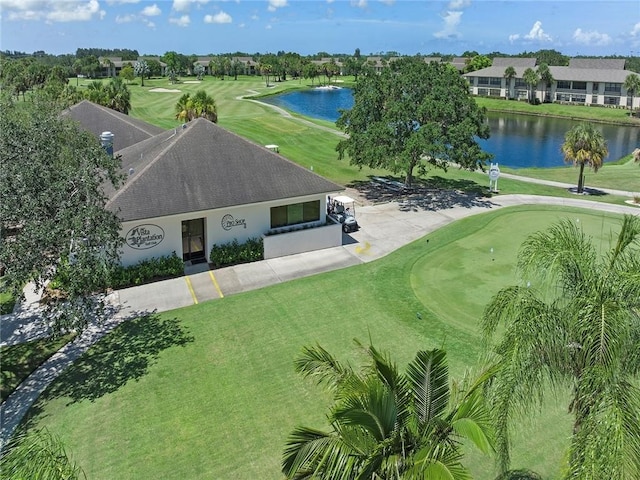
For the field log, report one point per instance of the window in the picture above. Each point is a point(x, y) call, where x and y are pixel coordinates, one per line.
point(611, 100)
point(564, 84)
point(595, 87)
point(520, 83)
point(579, 85)
point(295, 213)
point(495, 81)
point(494, 92)
point(483, 80)
point(483, 91)
point(612, 87)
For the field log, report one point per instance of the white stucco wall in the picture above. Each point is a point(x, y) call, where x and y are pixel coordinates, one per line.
point(240, 222)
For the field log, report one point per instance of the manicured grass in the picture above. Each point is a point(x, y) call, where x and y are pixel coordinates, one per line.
point(601, 114)
point(310, 146)
point(209, 391)
point(19, 361)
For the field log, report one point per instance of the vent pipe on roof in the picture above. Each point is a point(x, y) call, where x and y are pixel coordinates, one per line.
point(106, 140)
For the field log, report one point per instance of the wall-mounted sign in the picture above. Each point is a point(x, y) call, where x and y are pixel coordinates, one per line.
point(142, 237)
point(228, 222)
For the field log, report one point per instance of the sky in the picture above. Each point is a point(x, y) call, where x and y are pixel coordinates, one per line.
point(307, 27)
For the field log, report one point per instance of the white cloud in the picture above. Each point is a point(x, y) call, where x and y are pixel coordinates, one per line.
point(537, 33)
point(125, 18)
point(183, 21)
point(459, 4)
point(185, 5)
point(451, 22)
point(149, 23)
point(514, 37)
point(635, 31)
point(591, 38)
point(51, 11)
point(220, 17)
point(116, 2)
point(276, 4)
point(151, 10)
point(359, 3)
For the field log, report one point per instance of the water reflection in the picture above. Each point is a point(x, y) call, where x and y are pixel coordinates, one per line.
point(517, 141)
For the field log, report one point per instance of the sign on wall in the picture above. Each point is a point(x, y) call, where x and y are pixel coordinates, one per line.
point(228, 222)
point(143, 237)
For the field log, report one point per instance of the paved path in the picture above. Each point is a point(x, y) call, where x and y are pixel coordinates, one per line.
point(384, 228)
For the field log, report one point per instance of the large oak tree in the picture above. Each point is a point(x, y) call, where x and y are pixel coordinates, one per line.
point(54, 225)
point(413, 115)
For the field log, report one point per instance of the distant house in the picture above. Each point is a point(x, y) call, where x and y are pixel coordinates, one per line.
point(586, 81)
point(198, 184)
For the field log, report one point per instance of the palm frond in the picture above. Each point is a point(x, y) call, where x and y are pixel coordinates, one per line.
point(318, 363)
point(429, 379)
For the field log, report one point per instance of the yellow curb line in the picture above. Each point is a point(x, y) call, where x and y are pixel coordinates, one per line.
point(193, 294)
point(215, 284)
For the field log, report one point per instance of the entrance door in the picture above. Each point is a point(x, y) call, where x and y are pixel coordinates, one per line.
point(193, 240)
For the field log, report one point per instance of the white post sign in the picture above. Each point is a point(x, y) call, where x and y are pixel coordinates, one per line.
point(494, 174)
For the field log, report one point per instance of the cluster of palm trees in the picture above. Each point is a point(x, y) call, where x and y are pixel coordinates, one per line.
point(114, 94)
point(198, 105)
point(573, 326)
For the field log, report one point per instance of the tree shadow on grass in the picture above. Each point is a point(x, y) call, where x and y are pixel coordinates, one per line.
point(433, 193)
point(123, 355)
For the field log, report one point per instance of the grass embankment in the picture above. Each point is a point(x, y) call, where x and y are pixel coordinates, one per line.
point(210, 391)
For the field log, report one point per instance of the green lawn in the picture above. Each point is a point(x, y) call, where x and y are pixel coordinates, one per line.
point(314, 147)
point(209, 391)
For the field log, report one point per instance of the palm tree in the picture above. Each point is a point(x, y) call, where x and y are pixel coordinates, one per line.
point(584, 145)
point(547, 78)
point(575, 326)
point(387, 424)
point(509, 73)
point(118, 96)
point(200, 105)
point(141, 69)
point(531, 78)
point(632, 86)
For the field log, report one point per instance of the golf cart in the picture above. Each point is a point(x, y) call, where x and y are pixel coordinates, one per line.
point(342, 209)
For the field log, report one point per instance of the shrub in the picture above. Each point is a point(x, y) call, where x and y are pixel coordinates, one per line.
point(146, 271)
point(233, 253)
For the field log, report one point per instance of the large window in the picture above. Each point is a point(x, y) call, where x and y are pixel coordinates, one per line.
point(612, 87)
point(521, 83)
point(495, 81)
point(483, 80)
point(611, 100)
point(579, 85)
point(564, 84)
point(295, 213)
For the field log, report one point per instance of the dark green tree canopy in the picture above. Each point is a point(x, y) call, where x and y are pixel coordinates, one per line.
point(53, 218)
point(410, 115)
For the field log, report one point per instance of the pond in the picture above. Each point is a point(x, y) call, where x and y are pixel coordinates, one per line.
point(517, 141)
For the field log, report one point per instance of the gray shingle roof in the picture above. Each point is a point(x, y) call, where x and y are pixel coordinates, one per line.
point(560, 73)
point(513, 62)
point(97, 119)
point(203, 166)
point(598, 63)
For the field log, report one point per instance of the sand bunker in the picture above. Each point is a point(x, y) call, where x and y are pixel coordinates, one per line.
point(192, 81)
point(164, 90)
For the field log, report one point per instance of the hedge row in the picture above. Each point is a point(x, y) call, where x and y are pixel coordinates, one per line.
point(157, 268)
point(234, 253)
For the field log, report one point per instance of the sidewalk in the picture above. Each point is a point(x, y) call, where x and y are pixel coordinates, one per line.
point(384, 228)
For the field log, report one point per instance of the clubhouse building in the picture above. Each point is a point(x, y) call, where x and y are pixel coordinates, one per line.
point(586, 81)
point(197, 185)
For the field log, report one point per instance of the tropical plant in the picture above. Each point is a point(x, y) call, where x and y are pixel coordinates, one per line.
point(388, 424)
point(118, 96)
point(531, 78)
point(632, 86)
point(574, 327)
point(509, 73)
point(636, 155)
point(547, 78)
point(38, 455)
point(198, 70)
point(199, 105)
point(141, 69)
point(584, 145)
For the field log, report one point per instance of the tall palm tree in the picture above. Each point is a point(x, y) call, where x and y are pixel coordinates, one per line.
point(584, 145)
point(200, 105)
point(509, 73)
point(531, 78)
point(387, 424)
point(574, 327)
point(632, 86)
point(547, 78)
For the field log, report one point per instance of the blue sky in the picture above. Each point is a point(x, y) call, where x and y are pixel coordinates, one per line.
point(202, 27)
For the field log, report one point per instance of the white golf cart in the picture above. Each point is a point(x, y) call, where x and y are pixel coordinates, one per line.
point(343, 210)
